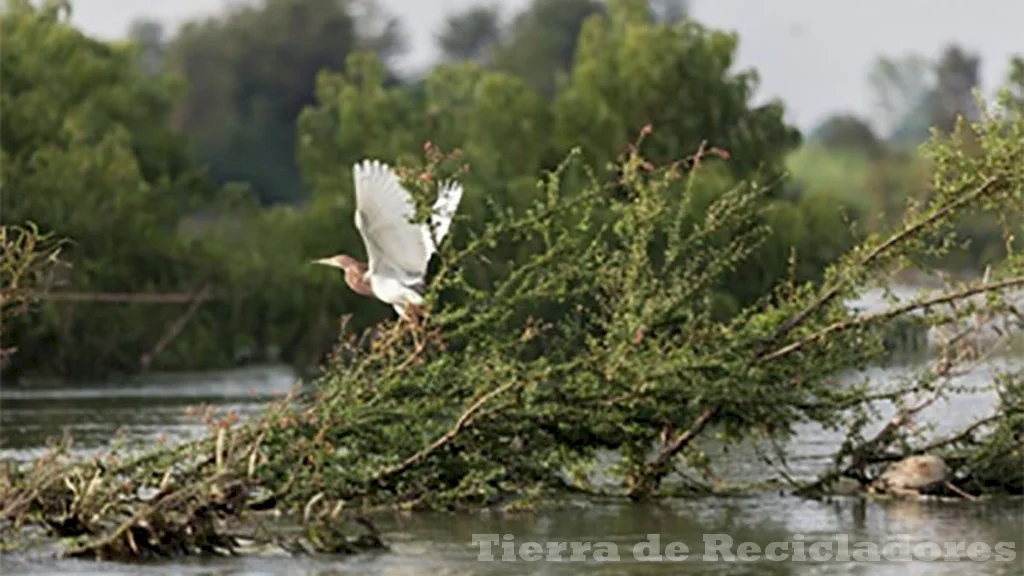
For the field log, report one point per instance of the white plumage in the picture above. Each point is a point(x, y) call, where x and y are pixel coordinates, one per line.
point(398, 250)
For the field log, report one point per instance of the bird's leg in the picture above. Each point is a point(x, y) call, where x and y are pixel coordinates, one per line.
point(396, 331)
point(413, 315)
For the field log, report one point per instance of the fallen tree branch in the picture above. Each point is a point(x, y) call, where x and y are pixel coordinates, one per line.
point(890, 314)
point(893, 241)
point(654, 471)
point(464, 421)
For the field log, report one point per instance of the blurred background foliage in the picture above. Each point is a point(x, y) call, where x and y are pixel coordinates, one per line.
point(220, 156)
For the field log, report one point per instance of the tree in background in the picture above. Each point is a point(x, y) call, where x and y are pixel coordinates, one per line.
point(109, 154)
point(628, 72)
point(251, 71)
point(149, 35)
point(900, 85)
point(957, 76)
point(539, 43)
point(847, 132)
point(87, 153)
point(471, 35)
point(914, 94)
point(1015, 79)
point(670, 11)
point(875, 179)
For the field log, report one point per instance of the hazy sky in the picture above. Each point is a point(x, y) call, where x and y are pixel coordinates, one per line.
point(813, 54)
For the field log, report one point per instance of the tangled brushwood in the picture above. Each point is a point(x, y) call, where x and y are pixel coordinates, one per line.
point(608, 342)
point(29, 260)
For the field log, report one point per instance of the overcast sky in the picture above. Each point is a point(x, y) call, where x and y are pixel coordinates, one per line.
point(813, 54)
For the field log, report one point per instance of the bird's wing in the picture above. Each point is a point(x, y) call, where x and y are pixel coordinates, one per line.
point(384, 208)
point(448, 197)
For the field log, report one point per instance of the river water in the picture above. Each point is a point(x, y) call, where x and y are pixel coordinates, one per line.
point(441, 544)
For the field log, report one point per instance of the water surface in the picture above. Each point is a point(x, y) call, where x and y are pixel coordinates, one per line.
point(443, 544)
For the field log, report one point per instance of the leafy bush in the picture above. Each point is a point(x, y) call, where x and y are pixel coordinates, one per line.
point(604, 341)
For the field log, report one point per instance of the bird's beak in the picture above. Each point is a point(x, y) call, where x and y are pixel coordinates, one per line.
point(325, 262)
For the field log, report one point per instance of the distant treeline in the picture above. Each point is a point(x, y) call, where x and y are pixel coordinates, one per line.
point(219, 160)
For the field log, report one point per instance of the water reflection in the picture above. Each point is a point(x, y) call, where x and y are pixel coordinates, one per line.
point(430, 544)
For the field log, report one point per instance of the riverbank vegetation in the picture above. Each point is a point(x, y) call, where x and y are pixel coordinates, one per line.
point(29, 260)
point(605, 341)
point(195, 180)
point(636, 287)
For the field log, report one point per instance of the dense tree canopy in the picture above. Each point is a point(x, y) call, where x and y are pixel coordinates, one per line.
point(88, 154)
point(250, 72)
point(285, 95)
point(87, 151)
point(537, 44)
point(471, 35)
point(629, 72)
point(847, 132)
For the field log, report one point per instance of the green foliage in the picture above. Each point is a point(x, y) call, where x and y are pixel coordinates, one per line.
point(542, 41)
point(875, 188)
point(471, 35)
point(487, 405)
point(499, 403)
point(846, 132)
point(29, 261)
point(539, 43)
point(87, 144)
point(268, 301)
point(629, 72)
point(86, 151)
point(251, 72)
point(996, 460)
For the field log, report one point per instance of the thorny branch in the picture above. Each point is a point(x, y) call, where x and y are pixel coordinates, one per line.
point(880, 250)
point(872, 451)
point(891, 313)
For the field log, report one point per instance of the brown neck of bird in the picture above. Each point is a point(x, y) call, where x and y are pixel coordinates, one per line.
point(355, 277)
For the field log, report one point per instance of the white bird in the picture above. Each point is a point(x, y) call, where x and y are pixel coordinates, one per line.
point(397, 249)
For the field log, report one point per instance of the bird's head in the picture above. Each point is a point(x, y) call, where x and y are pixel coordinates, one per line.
point(355, 272)
point(344, 262)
